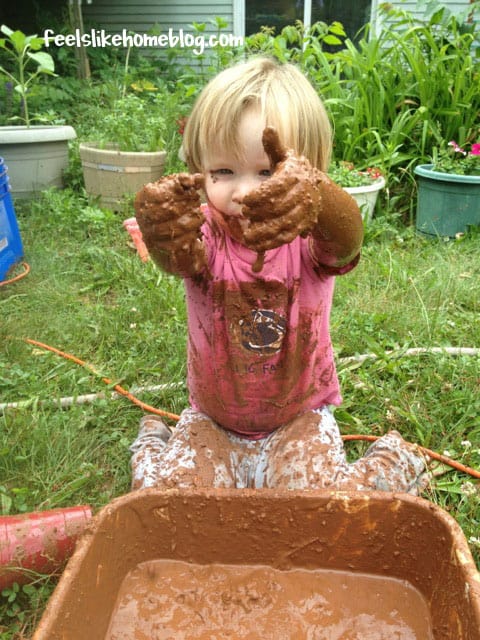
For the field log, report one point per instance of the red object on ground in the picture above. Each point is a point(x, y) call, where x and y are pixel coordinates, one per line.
point(131, 225)
point(39, 541)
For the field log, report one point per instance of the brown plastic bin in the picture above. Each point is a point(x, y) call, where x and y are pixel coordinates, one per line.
point(391, 535)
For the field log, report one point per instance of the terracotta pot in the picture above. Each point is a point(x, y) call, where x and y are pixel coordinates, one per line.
point(394, 536)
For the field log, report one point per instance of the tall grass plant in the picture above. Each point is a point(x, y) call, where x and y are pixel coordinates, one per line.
point(396, 95)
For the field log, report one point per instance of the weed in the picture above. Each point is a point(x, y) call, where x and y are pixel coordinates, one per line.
point(21, 606)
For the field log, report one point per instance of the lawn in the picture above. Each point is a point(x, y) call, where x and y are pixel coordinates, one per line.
point(89, 294)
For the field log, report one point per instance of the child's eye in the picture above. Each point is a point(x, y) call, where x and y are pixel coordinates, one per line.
point(222, 172)
point(265, 173)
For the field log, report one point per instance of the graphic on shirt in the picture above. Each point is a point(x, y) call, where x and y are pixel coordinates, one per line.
point(263, 331)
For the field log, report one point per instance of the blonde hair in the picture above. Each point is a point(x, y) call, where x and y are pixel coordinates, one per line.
point(286, 99)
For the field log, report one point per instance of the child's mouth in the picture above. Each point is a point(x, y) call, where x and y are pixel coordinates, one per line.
point(237, 223)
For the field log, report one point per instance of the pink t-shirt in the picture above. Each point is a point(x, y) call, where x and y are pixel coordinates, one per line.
point(259, 348)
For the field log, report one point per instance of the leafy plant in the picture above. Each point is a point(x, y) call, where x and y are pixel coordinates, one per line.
point(15, 500)
point(307, 47)
point(346, 175)
point(455, 159)
point(133, 124)
point(21, 606)
point(29, 63)
point(189, 76)
point(394, 95)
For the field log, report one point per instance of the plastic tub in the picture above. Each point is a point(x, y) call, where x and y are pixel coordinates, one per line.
point(392, 536)
point(37, 157)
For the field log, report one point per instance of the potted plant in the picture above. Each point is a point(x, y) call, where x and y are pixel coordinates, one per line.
point(128, 150)
point(36, 155)
point(449, 191)
point(364, 186)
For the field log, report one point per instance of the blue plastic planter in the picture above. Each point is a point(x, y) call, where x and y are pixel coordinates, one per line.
point(11, 249)
point(448, 203)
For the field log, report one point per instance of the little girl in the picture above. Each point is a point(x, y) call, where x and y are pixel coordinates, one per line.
point(259, 261)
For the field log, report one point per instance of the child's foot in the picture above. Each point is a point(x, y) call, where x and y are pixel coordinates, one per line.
point(402, 465)
point(147, 450)
point(153, 431)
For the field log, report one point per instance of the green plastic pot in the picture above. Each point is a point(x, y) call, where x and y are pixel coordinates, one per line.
point(448, 203)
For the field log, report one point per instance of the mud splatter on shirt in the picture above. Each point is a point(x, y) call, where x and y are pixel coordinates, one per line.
point(260, 351)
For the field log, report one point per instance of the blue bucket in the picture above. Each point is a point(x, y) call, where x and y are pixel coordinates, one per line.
point(11, 249)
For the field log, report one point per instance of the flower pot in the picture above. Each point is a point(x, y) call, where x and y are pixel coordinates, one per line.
point(448, 203)
point(36, 157)
point(366, 197)
point(110, 175)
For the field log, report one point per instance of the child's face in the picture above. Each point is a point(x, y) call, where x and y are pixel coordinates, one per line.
point(229, 178)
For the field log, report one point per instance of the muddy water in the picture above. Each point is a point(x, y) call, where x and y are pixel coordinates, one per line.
point(170, 599)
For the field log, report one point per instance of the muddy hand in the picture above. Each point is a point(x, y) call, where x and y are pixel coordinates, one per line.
point(169, 216)
point(287, 204)
point(169, 208)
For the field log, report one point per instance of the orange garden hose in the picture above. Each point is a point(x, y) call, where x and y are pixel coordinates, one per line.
point(116, 387)
point(25, 272)
point(427, 452)
point(160, 412)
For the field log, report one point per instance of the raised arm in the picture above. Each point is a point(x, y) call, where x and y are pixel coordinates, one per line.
point(299, 199)
point(338, 233)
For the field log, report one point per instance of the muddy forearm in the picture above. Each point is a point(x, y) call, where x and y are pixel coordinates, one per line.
point(186, 262)
point(298, 199)
point(338, 234)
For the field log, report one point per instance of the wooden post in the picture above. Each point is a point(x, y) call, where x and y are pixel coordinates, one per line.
point(76, 20)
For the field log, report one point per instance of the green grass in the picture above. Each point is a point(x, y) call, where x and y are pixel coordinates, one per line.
point(89, 294)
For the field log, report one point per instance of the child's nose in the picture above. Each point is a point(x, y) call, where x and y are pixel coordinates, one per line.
point(242, 188)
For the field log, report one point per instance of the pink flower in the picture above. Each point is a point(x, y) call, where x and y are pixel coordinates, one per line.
point(374, 172)
point(475, 151)
point(456, 147)
point(181, 123)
